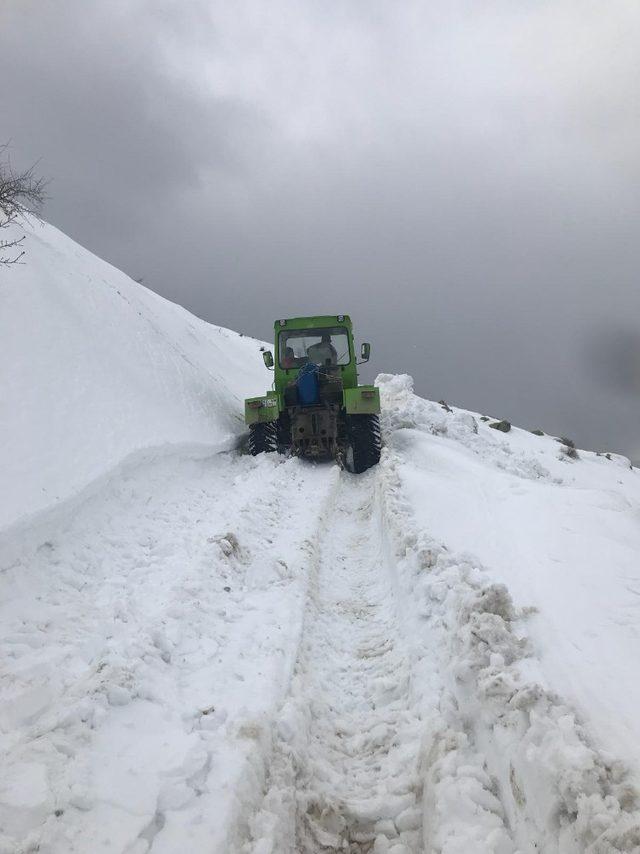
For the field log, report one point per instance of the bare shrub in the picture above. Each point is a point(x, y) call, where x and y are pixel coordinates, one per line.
point(21, 193)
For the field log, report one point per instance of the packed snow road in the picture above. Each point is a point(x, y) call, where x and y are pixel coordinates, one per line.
point(230, 655)
point(345, 771)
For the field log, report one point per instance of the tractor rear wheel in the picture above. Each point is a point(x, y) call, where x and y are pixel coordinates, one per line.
point(283, 433)
point(364, 443)
point(262, 438)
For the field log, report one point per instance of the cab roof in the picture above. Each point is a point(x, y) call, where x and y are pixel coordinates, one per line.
point(314, 322)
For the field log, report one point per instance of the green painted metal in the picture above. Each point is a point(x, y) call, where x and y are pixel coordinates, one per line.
point(356, 399)
point(363, 400)
point(283, 376)
point(267, 411)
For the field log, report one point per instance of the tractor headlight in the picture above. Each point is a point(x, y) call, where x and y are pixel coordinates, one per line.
point(340, 318)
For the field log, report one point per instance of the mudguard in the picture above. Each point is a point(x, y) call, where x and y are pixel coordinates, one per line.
point(260, 409)
point(362, 400)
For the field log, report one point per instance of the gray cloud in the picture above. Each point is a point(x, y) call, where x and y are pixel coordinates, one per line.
point(462, 179)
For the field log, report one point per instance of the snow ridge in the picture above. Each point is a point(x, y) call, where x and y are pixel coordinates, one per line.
point(559, 794)
point(405, 410)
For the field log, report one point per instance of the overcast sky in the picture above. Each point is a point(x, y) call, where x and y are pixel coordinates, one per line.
point(461, 177)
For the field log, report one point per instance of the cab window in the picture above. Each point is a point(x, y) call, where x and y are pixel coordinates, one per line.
point(299, 346)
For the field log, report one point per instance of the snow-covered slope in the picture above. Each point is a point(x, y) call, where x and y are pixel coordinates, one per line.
point(208, 652)
point(95, 367)
point(517, 558)
point(560, 528)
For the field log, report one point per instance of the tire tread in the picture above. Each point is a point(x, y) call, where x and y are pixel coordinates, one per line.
point(365, 441)
point(262, 438)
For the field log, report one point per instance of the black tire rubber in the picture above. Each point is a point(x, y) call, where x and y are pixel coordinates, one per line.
point(283, 433)
point(364, 443)
point(262, 438)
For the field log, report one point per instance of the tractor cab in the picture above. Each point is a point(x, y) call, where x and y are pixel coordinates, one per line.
point(325, 342)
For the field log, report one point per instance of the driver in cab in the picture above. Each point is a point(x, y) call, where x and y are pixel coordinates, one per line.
point(323, 353)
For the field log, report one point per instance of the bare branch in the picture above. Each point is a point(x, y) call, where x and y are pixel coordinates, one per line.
point(21, 193)
point(7, 250)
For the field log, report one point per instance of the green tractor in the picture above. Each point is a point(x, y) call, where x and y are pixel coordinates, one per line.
point(317, 409)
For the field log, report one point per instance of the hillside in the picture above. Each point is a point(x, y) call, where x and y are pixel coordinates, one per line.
point(95, 368)
point(205, 651)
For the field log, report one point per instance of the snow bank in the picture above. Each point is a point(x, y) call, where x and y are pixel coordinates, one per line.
point(95, 367)
point(147, 644)
point(560, 531)
point(562, 786)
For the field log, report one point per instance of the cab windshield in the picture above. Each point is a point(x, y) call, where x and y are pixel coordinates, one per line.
point(326, 347)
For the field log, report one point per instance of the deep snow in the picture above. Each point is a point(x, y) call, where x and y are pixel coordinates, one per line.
point(207, 652)
point(559, 791)
point(146, 642)
point(94, 367)
point(563, 534)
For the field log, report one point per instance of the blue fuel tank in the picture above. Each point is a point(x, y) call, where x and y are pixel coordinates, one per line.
point(308, 385)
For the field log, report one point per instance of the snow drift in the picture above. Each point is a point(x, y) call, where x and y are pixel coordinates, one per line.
point(476, 516)
point(211, 652)
point(95, 367)
point(560, 530)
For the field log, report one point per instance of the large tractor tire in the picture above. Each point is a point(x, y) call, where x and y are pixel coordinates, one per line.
point(363, 448)
point(283, 433)
point(262, 438)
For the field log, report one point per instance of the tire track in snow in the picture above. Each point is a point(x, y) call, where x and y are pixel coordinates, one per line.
point(372, 754)
point(345, 775)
